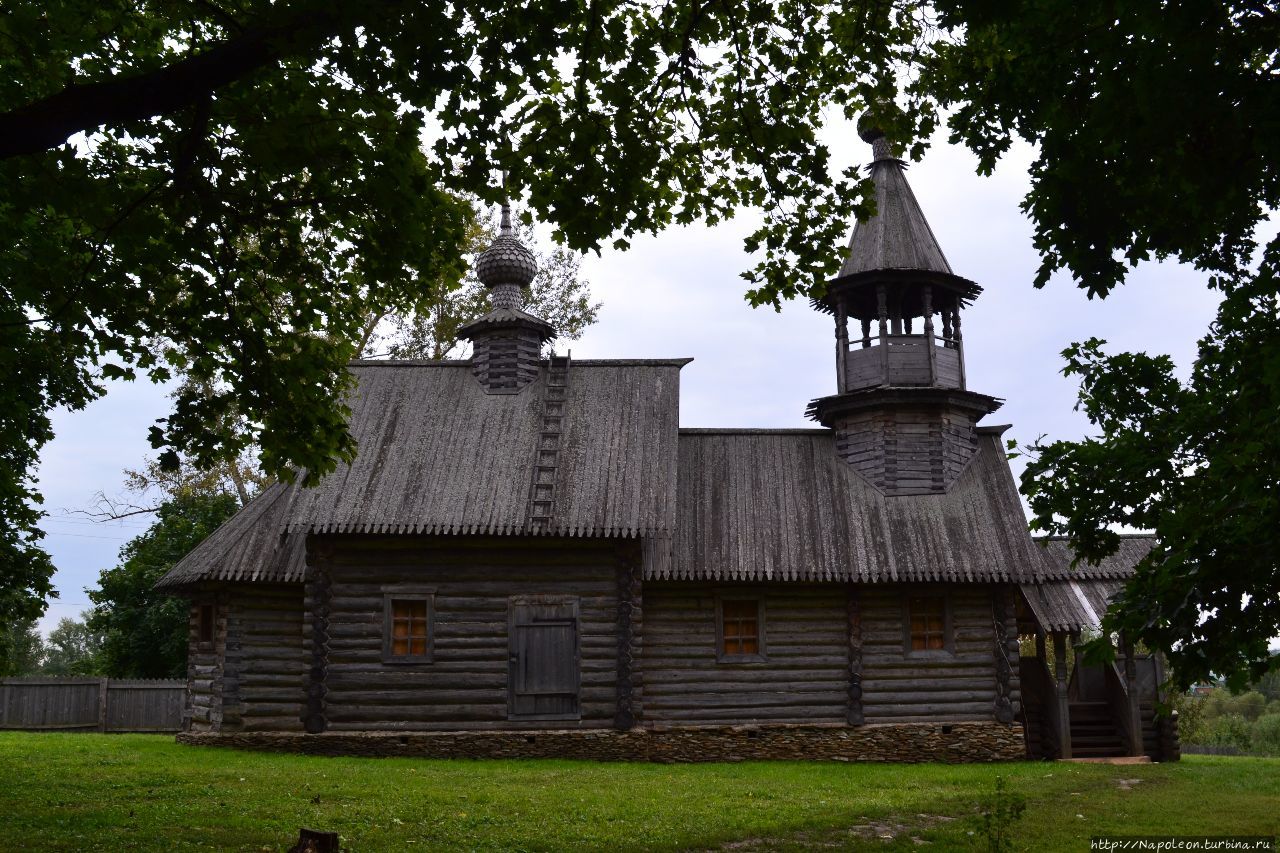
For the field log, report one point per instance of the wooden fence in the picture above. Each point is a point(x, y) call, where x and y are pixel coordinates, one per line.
point(92, 704)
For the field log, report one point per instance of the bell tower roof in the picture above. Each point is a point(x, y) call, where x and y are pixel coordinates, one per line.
point(898, 236)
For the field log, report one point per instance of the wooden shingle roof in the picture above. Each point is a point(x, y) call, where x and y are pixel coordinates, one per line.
point(757, 505)
point(898, 236)
point(439, 455)
point(251, 546)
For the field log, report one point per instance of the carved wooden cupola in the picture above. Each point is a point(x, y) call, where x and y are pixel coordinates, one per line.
point(506, 342)
point(902, 413)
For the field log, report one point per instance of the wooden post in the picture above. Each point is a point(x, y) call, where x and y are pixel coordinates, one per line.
point(1040, 651)
point(630, 608)
point(866, 332)
point(103, 684)
point(1060, 685)
point(853, 607)
point(927, 298)
point(842, 344)
point(882, 312)
point(319, 594)
point(1134, 708)
point(1006, 632)
point(959, 347)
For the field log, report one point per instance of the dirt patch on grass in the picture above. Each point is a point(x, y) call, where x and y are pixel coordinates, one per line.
point(887, 830)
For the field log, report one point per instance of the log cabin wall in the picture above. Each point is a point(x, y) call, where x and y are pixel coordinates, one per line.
point(811, 633)
point(960, 684)
point(204, 705)
point(472, 581)
point(805, 675)
point(264, 671)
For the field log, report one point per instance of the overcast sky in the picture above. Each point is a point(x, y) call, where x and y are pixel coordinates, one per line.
point(679, 295)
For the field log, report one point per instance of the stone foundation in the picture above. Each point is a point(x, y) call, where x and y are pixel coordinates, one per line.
point(903, 742)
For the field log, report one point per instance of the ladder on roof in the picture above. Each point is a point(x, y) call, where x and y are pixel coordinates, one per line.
point(542, 493)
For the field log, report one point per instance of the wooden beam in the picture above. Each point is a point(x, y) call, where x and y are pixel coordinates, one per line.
point(319, 596)
point(630, 631)
point(1060, 684)
point(853, 608)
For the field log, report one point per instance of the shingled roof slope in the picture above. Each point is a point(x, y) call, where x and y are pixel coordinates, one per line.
point(249, 546)
point(1119, 566)
point(439, 455)
point(760, 505)
point(898, 236)
point(1074, 605)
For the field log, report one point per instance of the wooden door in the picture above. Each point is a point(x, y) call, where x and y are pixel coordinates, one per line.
point(544, 674)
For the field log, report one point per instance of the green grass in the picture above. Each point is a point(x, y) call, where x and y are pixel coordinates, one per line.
point(118, 792)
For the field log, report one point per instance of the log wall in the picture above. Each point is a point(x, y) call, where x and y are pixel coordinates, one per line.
point(264, 671)
point(472, 580)
point(203, 710)
point(835, 653)
point(804, 679)
point(899, 686)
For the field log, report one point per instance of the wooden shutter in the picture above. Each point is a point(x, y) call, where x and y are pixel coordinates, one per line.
point(544, 673)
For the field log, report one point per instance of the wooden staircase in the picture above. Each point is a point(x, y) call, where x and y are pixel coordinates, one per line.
point(1094, 734)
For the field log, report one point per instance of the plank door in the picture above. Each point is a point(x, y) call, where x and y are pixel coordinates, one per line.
point(544, 677)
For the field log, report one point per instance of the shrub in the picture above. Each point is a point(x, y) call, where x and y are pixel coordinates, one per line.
point(1228, 730)
point(1192, 717)
point(1266, 735)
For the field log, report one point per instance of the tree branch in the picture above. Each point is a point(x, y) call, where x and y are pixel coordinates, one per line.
point(49, 122)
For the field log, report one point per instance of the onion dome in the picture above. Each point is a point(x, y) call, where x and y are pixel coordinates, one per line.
point(507, 264)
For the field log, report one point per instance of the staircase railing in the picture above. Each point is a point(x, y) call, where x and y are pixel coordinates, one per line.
point(1122, 709)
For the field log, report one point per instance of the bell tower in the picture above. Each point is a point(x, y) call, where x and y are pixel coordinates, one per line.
point(902, 411)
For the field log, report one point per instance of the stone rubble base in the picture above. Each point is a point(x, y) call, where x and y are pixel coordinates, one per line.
point(899, 742)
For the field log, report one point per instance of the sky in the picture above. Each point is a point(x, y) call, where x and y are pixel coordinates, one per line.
point(679, 294)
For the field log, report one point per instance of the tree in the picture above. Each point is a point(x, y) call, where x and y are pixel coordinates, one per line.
point(74, 648)
point(1155, 126)
point(144, 631)
point(24, 648)
point(249, 190)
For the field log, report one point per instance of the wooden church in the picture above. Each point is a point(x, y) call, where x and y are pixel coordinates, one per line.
point(530, 557)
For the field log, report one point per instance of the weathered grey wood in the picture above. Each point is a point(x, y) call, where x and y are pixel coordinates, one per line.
point(804, 678)
point(103, 704)
point(1004, 617)
point(473, 581)
point(544, 678)
point(319, 600)
point(853, 610)
point(630, 631)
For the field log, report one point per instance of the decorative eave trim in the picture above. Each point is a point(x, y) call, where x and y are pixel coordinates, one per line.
point(825, 409)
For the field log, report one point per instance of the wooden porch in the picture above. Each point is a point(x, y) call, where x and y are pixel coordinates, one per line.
point(1074, 710)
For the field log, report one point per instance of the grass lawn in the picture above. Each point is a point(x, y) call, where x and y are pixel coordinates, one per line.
point(119, 792)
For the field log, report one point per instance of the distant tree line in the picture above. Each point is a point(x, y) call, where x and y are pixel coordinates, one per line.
point(1247, 721)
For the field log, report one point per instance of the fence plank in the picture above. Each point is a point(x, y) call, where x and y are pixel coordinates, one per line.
point(108, 705)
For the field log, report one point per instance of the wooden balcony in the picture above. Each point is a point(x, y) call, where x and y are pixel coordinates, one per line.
point(905, 360)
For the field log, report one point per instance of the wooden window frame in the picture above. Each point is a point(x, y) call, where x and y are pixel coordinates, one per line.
point(760, 656)
point(948, 649)
point(206, 624)
point(394, 594)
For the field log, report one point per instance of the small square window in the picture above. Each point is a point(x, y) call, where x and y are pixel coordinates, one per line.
point(407, 628)
point(205, 624)
point(928, 625)
point(740, 630)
